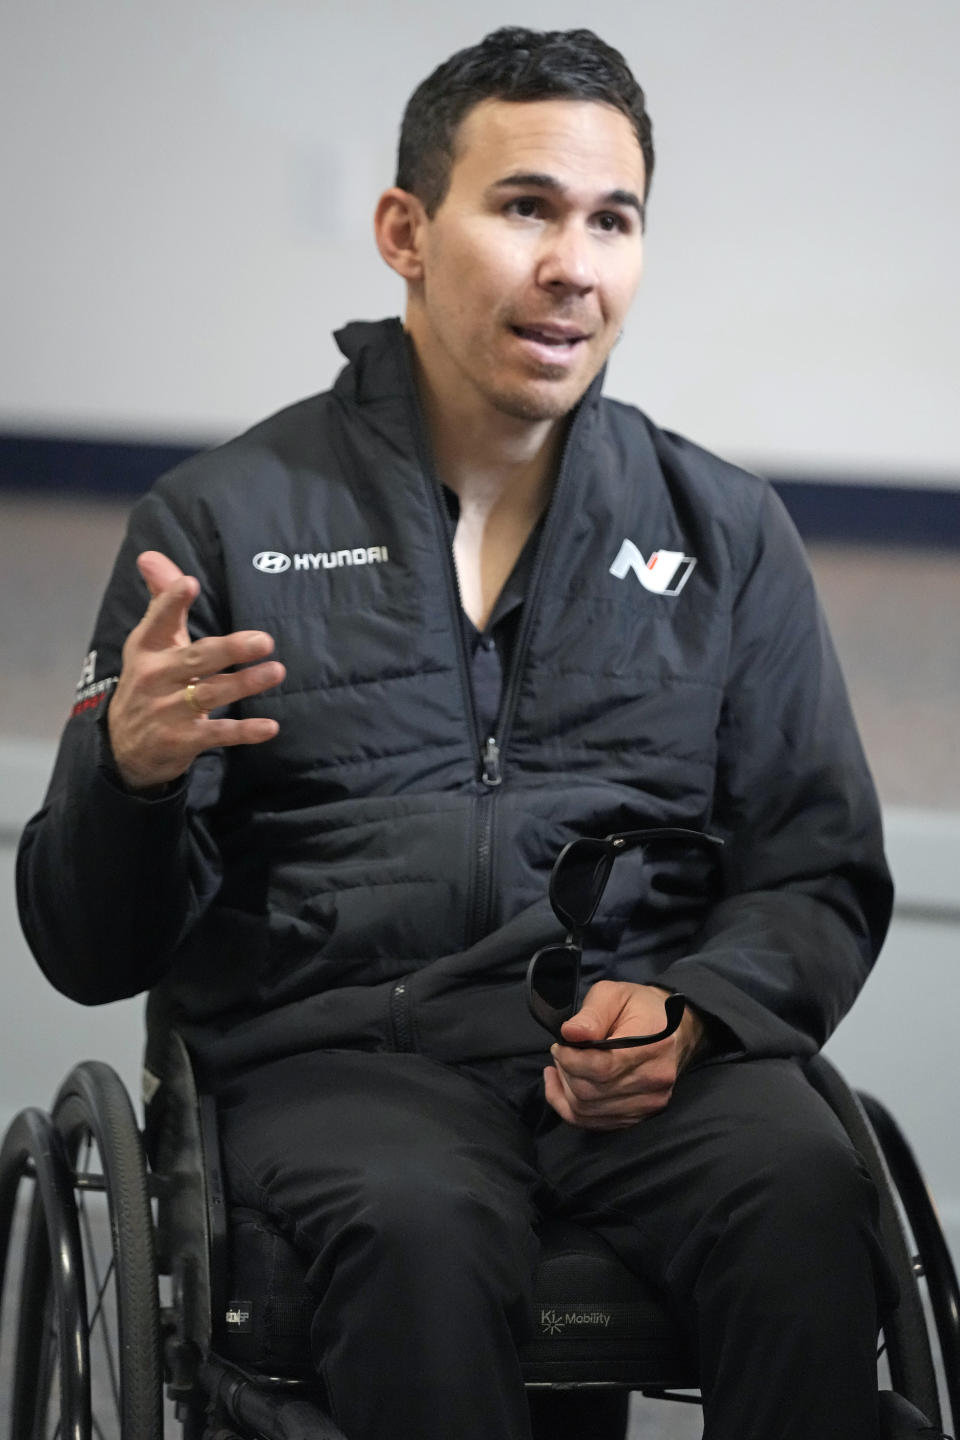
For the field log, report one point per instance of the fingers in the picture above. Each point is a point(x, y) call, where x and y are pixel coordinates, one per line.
point(600, 1074)
point(607, 1089)
point(226, 733)
point(155, 738)
point(601, 1013)
point(157, 727)
point(163, 666)
point(164, 628)
point(214, 653)
point(615, 1008)
point(217, 691)
point(159, 571)
point(610, 1112)
point(171, 594)
point(165, 752)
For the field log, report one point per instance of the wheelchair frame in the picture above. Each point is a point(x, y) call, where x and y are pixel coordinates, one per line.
point(170, 1220)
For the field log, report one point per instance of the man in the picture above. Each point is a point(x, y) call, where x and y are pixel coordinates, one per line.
point(506, 612)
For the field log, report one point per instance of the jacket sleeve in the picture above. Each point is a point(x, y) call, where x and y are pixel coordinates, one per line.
point(108, 882)
point(807, 895)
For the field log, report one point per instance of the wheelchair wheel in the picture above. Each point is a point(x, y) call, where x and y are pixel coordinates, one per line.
point(93, 1115)
point(932, 1260)
point(906, 1337)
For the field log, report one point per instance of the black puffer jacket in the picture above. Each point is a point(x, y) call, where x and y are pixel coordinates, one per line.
point(358, 881)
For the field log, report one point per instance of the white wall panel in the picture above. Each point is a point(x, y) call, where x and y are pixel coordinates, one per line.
point(187, 191)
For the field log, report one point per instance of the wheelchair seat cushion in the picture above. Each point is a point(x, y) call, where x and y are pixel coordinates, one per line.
point(591, 1318)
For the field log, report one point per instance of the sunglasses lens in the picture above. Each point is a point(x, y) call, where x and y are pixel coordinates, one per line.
point(552, 983)
point(578, 881)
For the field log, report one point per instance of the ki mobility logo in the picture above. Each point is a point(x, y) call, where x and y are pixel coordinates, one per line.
point(665, 573)
point(555, 1322)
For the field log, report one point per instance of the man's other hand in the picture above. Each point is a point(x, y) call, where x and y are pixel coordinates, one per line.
point(614, 1089)
point(155, 730)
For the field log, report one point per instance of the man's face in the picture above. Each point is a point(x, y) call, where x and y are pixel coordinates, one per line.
point(530, 263)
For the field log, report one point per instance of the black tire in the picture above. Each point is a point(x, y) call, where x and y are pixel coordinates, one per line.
point(905, 1332)
point(935, 1262)
point(93, 1114)
point(35, 1375)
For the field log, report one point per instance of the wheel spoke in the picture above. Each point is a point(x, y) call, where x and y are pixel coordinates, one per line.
point(106, 1339)
point(101, 1292)
point(48, 1376)
point(100, 1286)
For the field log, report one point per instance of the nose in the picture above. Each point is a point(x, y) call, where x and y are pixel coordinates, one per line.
point(566, 262)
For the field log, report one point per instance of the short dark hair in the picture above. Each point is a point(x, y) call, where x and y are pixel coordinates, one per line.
point(511, 64)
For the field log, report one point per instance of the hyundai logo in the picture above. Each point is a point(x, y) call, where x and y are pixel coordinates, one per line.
point(271, 562)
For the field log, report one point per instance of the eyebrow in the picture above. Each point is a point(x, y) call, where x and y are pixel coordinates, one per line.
point(534, 180)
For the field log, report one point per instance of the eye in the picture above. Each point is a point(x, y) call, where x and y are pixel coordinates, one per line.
point(526, 207)
point(612, 223)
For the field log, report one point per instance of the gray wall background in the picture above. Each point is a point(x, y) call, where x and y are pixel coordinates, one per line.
point(186, 200)
point(187, 191)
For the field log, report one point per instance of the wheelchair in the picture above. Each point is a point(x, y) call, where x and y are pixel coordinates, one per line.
point(138, 1277)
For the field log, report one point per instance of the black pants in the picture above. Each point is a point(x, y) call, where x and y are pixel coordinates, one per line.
point(415, 1187)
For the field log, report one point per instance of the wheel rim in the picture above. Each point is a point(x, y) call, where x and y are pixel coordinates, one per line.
point(100, 1271)
point(94, 1116)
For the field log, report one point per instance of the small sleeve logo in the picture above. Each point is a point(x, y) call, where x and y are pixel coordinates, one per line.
point(88, 670)
point(91, 692)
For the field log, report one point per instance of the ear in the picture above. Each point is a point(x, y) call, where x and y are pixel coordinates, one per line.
point(399, 222)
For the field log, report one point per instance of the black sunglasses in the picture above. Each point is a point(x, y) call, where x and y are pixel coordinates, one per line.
point(577, 882)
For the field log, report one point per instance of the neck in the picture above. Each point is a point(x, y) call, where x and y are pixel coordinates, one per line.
point(492, 460)
point(501, 466)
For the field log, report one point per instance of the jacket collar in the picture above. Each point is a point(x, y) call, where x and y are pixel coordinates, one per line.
point(378, 352)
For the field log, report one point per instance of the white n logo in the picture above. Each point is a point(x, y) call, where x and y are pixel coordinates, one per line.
point(665, 573)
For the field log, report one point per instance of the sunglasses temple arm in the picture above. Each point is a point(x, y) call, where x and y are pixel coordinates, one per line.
point(674, 1005)
point(630, 839)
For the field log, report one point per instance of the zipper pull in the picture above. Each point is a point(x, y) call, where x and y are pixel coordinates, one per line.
point(490, 763)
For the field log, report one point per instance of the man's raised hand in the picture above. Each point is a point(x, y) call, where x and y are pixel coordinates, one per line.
point(155, 730)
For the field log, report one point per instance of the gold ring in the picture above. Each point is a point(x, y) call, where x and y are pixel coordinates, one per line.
point(190, 695)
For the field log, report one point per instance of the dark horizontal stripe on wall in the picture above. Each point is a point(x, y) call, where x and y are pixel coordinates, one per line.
point(870, 513)
point(823, 509)
point(52, 465)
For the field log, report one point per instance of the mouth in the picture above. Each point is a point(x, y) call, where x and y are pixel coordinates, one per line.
point(551, 342)
point(550, 334)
